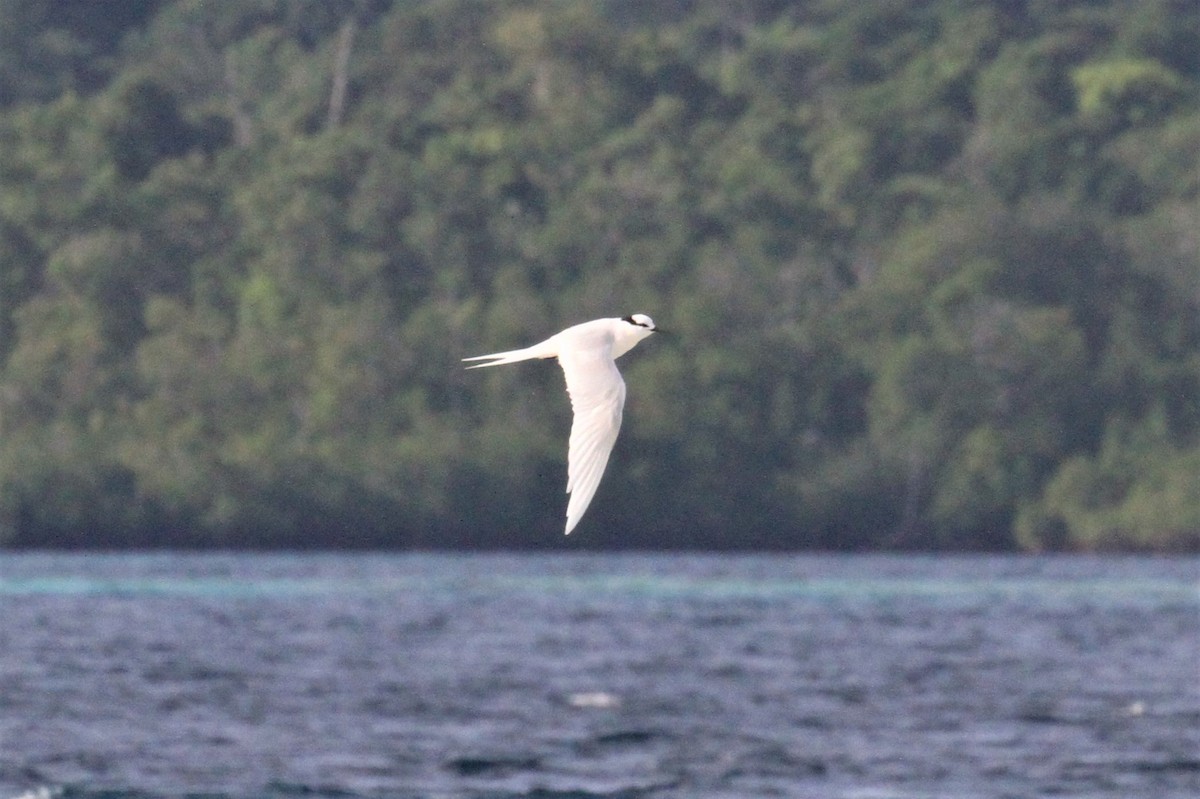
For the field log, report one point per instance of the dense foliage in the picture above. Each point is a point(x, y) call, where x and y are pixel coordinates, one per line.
point(933, 267)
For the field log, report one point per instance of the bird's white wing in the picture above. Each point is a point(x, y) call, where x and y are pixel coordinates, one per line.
point(597, 400)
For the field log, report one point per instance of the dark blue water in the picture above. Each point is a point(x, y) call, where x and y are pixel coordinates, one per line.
point(501, 676)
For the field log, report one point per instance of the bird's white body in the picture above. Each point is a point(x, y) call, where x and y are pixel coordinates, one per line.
point(587, 353)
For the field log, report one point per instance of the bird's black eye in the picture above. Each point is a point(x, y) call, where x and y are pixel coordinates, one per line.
point(631, 321)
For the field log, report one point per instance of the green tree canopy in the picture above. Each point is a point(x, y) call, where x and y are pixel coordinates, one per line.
point(933, 269)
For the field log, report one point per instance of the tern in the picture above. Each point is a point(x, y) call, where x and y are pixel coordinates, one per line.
point(587, 353)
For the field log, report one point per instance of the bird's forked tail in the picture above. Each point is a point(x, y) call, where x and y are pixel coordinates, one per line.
point(512, 356)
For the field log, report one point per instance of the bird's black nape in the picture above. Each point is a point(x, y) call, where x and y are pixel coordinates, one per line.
point(631, 320)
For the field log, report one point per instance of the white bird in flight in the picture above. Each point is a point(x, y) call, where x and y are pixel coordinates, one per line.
point(587, 354)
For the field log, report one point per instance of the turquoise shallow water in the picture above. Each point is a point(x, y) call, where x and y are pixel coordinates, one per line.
point(422, 675)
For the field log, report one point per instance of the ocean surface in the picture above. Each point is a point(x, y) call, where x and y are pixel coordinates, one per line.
point(229, 676)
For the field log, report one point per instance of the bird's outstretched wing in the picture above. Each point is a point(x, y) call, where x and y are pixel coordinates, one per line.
point(597, 400)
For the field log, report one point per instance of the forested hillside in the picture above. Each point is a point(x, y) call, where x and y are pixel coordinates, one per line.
point(933, 267)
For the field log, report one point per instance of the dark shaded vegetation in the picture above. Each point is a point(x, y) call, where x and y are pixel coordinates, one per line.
point(934, 267)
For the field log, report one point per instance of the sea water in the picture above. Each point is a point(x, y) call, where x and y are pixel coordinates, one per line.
point(633, 675)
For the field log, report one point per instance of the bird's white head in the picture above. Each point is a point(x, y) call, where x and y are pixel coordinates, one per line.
point(629, 330)
point(640, 320)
